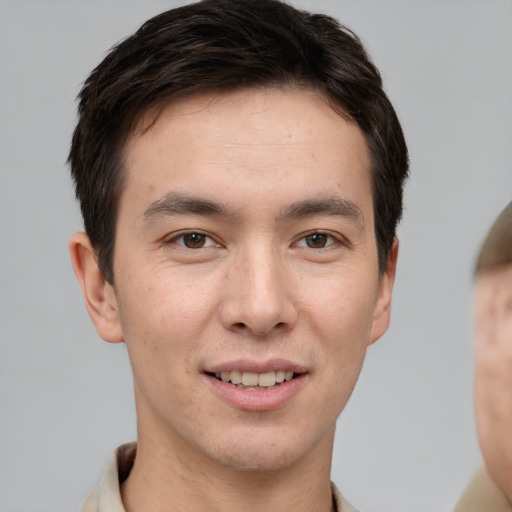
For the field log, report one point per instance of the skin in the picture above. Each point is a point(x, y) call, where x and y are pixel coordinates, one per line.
point(493, 371)
point(258, 289)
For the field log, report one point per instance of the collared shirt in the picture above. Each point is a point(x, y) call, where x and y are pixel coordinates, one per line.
point(483, 495)
point(107, 496)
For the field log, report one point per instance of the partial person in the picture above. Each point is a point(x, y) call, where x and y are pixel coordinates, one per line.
point(490, 490)
point(240, 173)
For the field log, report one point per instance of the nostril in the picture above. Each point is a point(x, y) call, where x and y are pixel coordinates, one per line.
point(240, 325)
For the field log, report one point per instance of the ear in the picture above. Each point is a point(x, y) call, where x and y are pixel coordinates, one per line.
point(99, 295)
point(382, 312)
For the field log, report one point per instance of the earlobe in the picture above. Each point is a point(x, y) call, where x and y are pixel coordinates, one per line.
point(382, 313)
point(99, 295)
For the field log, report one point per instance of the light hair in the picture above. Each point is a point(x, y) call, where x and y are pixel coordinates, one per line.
point(497, 247)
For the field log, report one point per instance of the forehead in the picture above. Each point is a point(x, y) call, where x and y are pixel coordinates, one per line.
point(253, 139)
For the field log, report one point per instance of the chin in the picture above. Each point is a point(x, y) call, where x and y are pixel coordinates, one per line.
point(259, 454)
point(248, 461)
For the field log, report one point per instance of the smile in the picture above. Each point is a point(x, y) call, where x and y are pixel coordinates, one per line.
point(257, 386)
point(253, 380)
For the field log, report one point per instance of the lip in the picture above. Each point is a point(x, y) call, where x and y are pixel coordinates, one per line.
point(257, 400)
point(245, 365)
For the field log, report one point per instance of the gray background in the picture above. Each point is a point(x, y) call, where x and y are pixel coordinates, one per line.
point(406, 441)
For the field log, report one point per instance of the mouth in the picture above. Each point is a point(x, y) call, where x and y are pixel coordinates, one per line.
point(257, 387)
point(255, 381)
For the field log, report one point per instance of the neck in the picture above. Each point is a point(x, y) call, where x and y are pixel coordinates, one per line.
point(169, 476)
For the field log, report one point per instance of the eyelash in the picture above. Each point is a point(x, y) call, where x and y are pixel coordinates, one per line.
point(177, 236)
point(334, 240)
point(331, 240)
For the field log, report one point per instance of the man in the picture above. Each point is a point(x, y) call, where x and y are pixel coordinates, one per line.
point(240, 174)
point(491, 488)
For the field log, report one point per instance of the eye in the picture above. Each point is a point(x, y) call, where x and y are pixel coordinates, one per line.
point(316, 241)
point(193, 240)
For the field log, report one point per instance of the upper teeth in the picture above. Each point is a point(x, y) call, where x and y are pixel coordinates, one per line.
point(266, 379)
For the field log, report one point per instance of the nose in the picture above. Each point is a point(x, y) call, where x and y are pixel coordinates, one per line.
point(258, 295)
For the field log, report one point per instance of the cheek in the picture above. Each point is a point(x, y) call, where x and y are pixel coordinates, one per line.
point(169, 302)
point(162, 321)
point(340, 316)
point(342, 311)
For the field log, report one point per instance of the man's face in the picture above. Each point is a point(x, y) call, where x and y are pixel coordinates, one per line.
point(246, 250)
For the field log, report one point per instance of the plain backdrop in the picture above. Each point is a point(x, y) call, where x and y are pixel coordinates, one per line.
point(406, 441)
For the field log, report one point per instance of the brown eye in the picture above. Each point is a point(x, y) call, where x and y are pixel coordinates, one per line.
point(194, 240)
point(317, 240)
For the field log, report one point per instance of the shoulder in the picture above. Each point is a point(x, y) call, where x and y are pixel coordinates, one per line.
point(482, 495)
point(91, 502)
point(340, 504)
point(106, 497)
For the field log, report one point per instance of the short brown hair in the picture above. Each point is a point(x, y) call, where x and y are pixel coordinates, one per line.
point(497, 246)
point(228, 45)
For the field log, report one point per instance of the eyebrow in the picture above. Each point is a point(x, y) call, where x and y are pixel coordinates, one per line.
point(172, 204)
point(182, 204)
point(330, 206)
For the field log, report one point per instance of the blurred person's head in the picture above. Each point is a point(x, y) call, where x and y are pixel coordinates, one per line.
point(493, 349)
